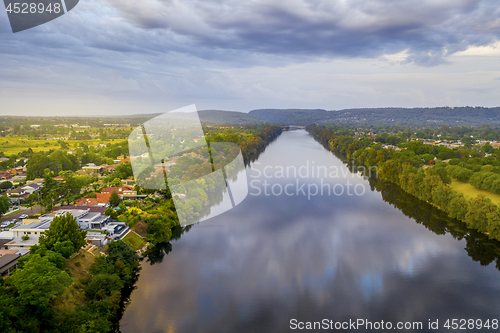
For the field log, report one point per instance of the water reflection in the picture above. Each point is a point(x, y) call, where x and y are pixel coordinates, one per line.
point(479, 247)
point(274, 258)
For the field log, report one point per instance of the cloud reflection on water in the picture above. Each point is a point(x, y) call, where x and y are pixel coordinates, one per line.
point(275, 258)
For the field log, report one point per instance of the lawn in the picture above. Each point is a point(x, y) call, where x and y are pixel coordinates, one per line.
point(470, 191)
point(13, 145)
point(134, 241)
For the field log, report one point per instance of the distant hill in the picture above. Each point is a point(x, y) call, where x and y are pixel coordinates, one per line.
point(416, 117)
point(291, 116)
point(386, 116)
point(207, 117)
point(229, 117)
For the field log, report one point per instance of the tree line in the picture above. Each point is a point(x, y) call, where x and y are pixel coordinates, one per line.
point(404, 168)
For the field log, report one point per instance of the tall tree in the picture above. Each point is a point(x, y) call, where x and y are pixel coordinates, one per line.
point(4, 204)
point(64, 228)
point(6, 185)
point(38, 282)
point(49, 190)
point(114, 199)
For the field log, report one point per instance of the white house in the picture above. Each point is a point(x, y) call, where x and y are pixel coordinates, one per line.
point(31, 233)
point(86, 220)
point(17, 192)
point(32, 188)
point(35, 228)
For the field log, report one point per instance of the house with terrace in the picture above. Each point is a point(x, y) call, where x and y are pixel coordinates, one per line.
point(86, 219)
point(28, 233)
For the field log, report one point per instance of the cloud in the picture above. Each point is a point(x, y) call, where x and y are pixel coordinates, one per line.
point(242, 55)
point(429, 30)
point(244, 33)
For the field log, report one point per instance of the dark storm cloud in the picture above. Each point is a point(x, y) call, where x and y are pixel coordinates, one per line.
point(247, 54)
point(428, 30)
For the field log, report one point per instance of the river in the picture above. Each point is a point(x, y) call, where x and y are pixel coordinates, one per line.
point(289, 254)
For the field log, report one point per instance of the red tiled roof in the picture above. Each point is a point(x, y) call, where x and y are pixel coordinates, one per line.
point(118, 190)
point(101, 198)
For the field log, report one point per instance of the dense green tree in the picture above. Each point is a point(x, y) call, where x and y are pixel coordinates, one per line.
point(160, 229)
point(54, 257)
point(467, 141)
point(64, 228)
point(111, 213)
point(4, 204)
point(116, 182)
point(36, 165)
point(50, 189)
point(102, 286)
point(6, 185)
point(114, 199)
point(479, 210)
point(442, 173)
point(66, 248)
point(487, 148)
point(38, 282)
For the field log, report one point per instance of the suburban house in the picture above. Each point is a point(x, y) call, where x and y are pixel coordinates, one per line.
point(39, 181)
point(121, 160)
point(18, 174)
point(132, 195)
point(116, 230)
point(86, 219)
point(32, 188)
point(119, 190)
point(97, 239)
point(111, 168)
point(5, 175)
point(31, 231)
point(128, 182)
point(125, 193)
point(17, 195)
point(8, 261)
point(92, 168)
point(101, 199)
point(17, 192)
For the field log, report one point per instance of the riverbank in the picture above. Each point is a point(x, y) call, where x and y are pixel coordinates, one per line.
point(430, 184)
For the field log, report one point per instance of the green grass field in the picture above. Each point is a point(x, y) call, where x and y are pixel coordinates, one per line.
point(470, 191)
point(134, 241)
point(12, 145)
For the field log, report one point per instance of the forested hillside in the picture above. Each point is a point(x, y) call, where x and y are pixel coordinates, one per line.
point(415, 117)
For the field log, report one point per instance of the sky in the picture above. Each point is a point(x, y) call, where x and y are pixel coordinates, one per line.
point(118, 57)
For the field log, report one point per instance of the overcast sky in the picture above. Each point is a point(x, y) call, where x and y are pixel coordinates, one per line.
point(111, 57)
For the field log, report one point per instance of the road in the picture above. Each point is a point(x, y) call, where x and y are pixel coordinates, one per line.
point(27, 211)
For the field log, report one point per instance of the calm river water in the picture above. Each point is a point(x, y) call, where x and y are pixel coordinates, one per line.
point(345, 255)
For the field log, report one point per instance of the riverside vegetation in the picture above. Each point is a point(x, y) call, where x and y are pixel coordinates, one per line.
point(480, 166)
